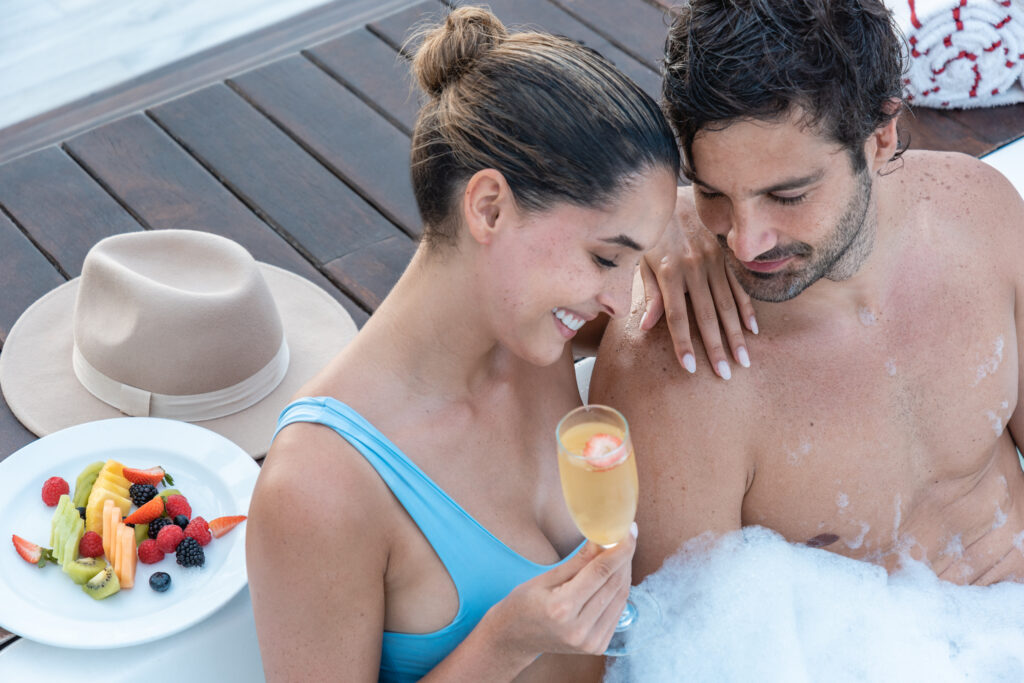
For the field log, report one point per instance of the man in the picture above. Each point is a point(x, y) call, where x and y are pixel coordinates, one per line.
point(880, 418)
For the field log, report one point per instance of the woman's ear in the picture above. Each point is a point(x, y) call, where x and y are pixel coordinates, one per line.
point(487, 204)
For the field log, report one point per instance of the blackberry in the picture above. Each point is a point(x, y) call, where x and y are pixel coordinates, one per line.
point(141, 493)
point(190, 553)
point(160, 581)
point(157, 524)
point(81, 512)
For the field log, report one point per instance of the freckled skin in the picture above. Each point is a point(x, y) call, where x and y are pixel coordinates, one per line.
point(893, 413)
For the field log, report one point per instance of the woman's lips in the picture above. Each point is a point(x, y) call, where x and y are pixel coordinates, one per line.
point(766, 266)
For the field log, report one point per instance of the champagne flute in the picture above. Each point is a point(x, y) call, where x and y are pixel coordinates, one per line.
point(600, 486)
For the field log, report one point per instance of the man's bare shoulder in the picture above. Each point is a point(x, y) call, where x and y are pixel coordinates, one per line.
point(956, 186)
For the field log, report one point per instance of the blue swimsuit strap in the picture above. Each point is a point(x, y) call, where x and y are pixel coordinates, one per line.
point(455, 535)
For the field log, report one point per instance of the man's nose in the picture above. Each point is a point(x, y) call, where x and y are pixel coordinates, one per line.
point(749, 235)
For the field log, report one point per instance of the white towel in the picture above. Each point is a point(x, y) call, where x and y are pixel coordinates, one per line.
point(963, 53)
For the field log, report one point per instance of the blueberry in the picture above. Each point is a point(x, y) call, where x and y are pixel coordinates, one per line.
point(81, 512)
point(160, 581)
point(181, 520)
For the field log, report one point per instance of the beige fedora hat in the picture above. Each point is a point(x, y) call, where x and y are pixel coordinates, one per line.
point(179, 324)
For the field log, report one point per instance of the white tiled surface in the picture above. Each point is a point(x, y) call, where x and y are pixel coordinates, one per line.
point(56, 51)
point(1010, 161)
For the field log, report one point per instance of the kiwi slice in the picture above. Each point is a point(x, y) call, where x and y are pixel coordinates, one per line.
point(141, 533)
point(169, 492)
point(103, 584)
point(84, 568)
point(83, 485)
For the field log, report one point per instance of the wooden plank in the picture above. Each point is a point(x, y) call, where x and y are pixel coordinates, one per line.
point(532, 14)
point(209, 66)
point(934, 129)
point(372, 271)
point(996, 126)
point(340, 130)
point(273, 175)
point(166, 188)
point(25, 275)
point(373, 70)
point(62, 209)
point(13, 436)
point(636, 27)
point(395, 29)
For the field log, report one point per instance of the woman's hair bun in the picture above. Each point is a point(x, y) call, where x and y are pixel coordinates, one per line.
point(449, 51)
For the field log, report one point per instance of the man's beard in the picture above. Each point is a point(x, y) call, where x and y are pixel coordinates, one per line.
point(838, 258)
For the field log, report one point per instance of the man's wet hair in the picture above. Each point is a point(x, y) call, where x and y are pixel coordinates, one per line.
point(838, 62)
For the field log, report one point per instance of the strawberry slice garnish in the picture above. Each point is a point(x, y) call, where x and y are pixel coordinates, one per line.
point(30, 552)
point(602, 451)
point(152, 476)
point(222, 525)
point(147, 513)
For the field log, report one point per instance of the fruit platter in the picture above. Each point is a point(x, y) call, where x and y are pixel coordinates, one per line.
point(121, 531)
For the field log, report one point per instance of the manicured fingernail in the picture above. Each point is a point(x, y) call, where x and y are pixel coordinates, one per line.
point(753, 324)
point(723, 370)
point(633, 529)
point(643, 319)
point(690, 363)
point(741, 354)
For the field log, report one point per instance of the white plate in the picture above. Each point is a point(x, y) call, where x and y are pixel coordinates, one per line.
point(46, 606)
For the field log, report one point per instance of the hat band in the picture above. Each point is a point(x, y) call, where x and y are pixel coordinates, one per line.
point(189, 408)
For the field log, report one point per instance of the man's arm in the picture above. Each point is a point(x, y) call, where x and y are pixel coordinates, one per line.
point(688, 434)
point(1014, 216)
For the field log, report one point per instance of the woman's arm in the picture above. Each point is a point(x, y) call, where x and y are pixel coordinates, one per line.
point(316, 556)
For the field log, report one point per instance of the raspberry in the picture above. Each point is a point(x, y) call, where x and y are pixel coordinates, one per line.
point(141, 493)
point(178, 505)
point(150, 552)
point(91, 545)
point(190, 553)
point(53, 489)
point(157, 524)
point(199, 530)
point(169, 538)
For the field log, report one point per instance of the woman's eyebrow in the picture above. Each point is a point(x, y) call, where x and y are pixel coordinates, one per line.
point(625, 241)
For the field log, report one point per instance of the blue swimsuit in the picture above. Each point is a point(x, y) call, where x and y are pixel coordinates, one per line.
point(483, 569)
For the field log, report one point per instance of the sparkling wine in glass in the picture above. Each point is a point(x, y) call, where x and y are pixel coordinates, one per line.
point(599, 483)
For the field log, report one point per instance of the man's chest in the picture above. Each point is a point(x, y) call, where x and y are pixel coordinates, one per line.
point(864, 428)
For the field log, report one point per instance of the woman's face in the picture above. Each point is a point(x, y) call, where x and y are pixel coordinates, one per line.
point(556, 269)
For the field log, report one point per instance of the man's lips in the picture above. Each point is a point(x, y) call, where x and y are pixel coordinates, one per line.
point(766, 266)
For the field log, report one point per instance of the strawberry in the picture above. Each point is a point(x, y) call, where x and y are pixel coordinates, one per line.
point(153, 476)
point(178, 505)
point(91, 545)
point(32, 553)
point(602, 451)
point(199, 530)
point(53, 489)
point(169, 538)
point(147, 513)
point(150, 552)
point(222, 525)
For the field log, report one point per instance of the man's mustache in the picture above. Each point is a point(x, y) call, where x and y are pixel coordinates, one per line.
point(775, 253)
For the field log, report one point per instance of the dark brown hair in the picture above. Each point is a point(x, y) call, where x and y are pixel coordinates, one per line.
point(556, 119)
point(840, 62)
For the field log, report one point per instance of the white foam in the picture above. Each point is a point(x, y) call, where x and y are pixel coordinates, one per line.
point(890, 366)
point(867, 318)
point(990, 364)
point(752, 607)
point(842, 500)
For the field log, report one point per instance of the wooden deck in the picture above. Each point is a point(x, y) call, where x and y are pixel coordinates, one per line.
point(302, 160)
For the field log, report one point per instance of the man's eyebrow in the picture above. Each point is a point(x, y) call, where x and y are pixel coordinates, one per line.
point(790, 184)
point(625, 241)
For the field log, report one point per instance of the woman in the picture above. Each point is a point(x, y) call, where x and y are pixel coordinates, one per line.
point(542, 174)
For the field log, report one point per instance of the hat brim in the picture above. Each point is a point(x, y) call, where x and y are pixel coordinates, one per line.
point(41, 389)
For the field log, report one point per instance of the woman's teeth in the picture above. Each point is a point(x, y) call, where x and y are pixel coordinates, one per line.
point(568, 319)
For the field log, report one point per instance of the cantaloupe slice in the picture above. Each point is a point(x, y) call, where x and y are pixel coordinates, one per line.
point(127, 556)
